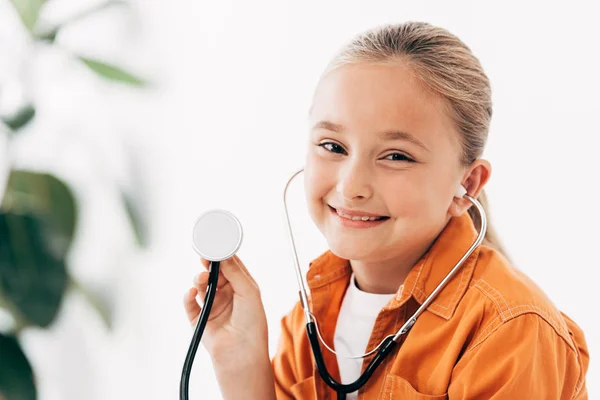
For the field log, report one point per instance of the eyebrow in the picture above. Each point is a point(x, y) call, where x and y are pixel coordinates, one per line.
point(387, 135)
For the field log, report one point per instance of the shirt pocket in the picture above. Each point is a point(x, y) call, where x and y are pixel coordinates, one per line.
point(397, 388)
point(305, 389)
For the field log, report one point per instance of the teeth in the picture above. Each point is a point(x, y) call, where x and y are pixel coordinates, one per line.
point(357, 218)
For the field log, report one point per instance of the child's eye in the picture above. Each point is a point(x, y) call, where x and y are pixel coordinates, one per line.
point(400, 157)
point(333, 147)
point(336, 148)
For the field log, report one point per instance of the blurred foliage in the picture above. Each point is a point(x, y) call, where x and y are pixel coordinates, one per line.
point(20, 118)
point(38, 222)
point(29, 11)
point(16, 376)
point(111, 72)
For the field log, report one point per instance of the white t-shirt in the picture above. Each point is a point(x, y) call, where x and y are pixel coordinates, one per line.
point(353, 329)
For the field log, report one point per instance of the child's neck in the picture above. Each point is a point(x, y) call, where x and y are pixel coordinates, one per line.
point(385, 277)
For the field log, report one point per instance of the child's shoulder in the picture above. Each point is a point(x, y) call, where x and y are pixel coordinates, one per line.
point(501, 298)
point(505, 293)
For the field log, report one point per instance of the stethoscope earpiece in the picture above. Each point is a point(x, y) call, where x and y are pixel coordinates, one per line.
point(460, 192)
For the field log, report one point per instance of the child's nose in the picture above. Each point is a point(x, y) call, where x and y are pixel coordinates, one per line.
point(354, 181)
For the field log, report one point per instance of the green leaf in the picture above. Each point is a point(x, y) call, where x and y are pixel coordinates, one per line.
point(112, 72)
point(37, 225)
point(19, 119)
point(32, 278)
point(16, 376)
point(51, 204)
point(29, 11)
point(136, 220)
point(48, 198)
point(48, 34)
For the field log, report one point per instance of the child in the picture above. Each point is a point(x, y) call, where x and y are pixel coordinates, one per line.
point(399, 120)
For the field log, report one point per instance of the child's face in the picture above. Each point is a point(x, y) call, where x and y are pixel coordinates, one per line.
point(360, 170)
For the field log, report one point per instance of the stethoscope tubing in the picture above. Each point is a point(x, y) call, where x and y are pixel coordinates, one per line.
point(388, 343)
point(211, 291)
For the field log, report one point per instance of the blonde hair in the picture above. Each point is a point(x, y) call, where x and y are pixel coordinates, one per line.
point(447, 67)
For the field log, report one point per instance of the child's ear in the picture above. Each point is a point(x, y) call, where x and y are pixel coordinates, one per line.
point(474, 180)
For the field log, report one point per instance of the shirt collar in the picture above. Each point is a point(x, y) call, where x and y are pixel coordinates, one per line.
point(452, 243)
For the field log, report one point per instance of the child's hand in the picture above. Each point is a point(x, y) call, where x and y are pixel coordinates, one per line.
point(237, 325)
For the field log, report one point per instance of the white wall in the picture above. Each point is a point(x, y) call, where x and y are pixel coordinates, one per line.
point(226, 129)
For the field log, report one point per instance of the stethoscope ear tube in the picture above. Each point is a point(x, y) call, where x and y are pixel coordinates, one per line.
point(211, 291)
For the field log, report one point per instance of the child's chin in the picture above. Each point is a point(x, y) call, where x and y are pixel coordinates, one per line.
point(348, 252)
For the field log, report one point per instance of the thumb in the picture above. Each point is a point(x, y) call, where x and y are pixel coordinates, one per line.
point(238, 276)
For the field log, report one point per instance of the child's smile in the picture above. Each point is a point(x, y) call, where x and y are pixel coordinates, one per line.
point(357, 219)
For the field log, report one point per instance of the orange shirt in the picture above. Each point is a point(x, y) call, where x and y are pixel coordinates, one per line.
point(491, 333)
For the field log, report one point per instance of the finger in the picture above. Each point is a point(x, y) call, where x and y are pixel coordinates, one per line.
point(202, 287)
point(244, 269)
point(220, 303)
point(205, 262)
point(191, 306)
point(237, 275)
point(200, 281)
point(223, 295)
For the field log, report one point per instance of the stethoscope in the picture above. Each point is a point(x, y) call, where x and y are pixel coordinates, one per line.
point(217, 236)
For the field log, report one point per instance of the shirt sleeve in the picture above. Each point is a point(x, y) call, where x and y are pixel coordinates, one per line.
point(522, 358)
point(283, 361)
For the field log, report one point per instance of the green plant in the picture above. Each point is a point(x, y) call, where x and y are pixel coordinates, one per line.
point(38, 221)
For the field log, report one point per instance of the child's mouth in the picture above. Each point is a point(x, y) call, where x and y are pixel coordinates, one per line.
point(357, 221)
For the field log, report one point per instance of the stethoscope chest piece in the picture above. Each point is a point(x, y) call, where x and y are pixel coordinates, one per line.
point(217, 235)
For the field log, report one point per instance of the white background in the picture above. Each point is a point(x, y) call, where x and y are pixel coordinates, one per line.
point(224, 127)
